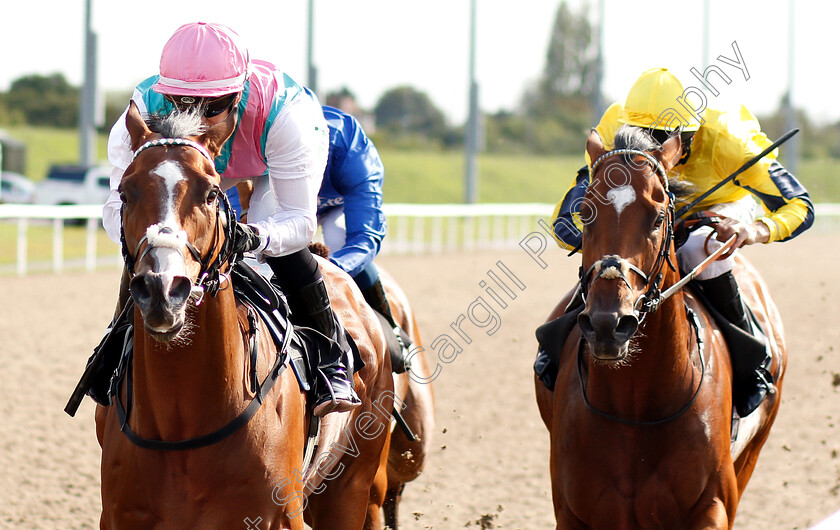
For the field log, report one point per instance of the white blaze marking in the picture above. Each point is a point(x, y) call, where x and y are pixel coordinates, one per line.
point(168, 244)
point(620, 197)
point(171, 173)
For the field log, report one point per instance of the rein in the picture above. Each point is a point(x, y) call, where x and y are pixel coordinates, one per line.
point(208, 282)
point(612, 267)
point(696, 325)
point(219, 434)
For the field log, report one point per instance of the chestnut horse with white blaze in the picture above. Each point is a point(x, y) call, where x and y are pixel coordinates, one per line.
point(640, 418)
point(414, 394)
point(190, 382)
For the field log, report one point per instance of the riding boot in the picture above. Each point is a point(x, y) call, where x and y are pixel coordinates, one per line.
point(335, 364)
point(376, 298)
point(299, 277)
point(749, 351)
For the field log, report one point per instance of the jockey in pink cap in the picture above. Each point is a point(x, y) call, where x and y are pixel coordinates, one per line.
point(280, 144)
point(218, 62)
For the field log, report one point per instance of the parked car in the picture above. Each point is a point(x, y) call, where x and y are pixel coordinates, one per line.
point(68, 184)
point(16, 188)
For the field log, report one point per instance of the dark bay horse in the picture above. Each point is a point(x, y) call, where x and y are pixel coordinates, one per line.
point(191, 372)
point(640, 417)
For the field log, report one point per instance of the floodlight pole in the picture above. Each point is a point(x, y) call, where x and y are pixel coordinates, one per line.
point(87, 98)
point(792, 160)
point(705, 60)
point(312, 71)
point(598, 106)
point(471, 176)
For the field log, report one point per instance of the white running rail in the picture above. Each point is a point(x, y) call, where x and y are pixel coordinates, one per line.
point(412, 229)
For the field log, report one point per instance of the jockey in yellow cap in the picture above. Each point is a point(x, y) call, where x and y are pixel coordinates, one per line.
point(765, 203)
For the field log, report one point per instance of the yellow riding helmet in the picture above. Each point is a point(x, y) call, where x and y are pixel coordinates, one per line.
point(653, 103)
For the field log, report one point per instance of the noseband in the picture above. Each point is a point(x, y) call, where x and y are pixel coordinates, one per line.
point(616, 267)
point(209, 274)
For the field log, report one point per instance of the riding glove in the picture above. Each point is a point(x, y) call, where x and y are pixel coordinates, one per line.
point(245, 238)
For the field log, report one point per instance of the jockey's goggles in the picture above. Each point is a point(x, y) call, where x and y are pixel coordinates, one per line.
point(210, 107)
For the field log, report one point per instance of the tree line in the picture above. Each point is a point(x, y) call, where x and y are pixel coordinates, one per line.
point(553, 115)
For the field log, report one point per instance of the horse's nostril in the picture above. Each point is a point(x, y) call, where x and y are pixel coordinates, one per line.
point(139, 290)
point(627, 326)
point(585, 324)
point(180, 290)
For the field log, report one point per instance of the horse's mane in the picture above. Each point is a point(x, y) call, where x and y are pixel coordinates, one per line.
point(177, 124)
point(640, 139)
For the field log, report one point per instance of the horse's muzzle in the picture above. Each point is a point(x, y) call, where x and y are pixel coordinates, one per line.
point(607, 333)
point(161, 298)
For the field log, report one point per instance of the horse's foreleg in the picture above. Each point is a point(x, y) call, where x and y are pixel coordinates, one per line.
point(391, 507)
point(379, 488)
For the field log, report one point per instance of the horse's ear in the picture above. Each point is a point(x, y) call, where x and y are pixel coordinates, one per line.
point(671, 152)
point(216, 136)
point(594, 146)
point(136, 125)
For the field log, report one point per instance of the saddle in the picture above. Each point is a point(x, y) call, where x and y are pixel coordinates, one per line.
point(551, 337)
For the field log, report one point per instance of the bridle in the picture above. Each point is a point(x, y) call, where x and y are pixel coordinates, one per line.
point(208, 281)
point(209, 276)
point(611, 267)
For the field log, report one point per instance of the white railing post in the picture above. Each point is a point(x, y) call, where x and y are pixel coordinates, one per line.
point(54, 215)
point(90, 245)
point(58, 245)
point(21, 246)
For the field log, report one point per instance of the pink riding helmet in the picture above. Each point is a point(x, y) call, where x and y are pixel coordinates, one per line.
point(204, 60)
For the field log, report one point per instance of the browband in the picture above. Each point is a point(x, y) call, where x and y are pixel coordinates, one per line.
point(173, 141)
point(653, 162)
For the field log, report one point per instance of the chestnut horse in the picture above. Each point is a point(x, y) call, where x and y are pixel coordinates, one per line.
point(407, 457)
point(414, 393)
point(190, 379)
point(640, 417)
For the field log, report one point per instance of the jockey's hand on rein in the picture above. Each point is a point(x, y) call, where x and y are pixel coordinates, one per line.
point(245, 238)
point(748, 233)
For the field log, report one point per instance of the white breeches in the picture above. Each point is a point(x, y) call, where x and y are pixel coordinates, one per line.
point(333, 227)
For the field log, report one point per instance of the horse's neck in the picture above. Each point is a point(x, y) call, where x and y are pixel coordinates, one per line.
point(657, 380)
point(200, 377)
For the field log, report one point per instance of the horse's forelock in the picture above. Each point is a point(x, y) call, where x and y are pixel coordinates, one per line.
point(636, 138)
point(177, 124)
point(640, 139)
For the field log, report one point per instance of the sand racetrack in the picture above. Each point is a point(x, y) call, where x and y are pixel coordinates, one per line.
point(490, 461)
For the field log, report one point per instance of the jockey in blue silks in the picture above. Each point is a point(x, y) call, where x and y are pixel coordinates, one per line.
point(350, 207)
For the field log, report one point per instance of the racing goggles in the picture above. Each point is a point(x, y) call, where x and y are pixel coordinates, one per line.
point(209, 107)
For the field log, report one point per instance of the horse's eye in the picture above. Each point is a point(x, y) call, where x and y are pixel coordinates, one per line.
point(659, 220)
point(212, 195)
point(122, 196)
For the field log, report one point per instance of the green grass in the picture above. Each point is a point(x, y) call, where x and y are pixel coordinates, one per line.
point(821, 177)
point(46, 146)
point(410, 176)
point(438, 177)
point(40, 241)
point(434, 176)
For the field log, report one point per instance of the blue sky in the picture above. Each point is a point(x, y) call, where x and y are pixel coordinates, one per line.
point(373, 45)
